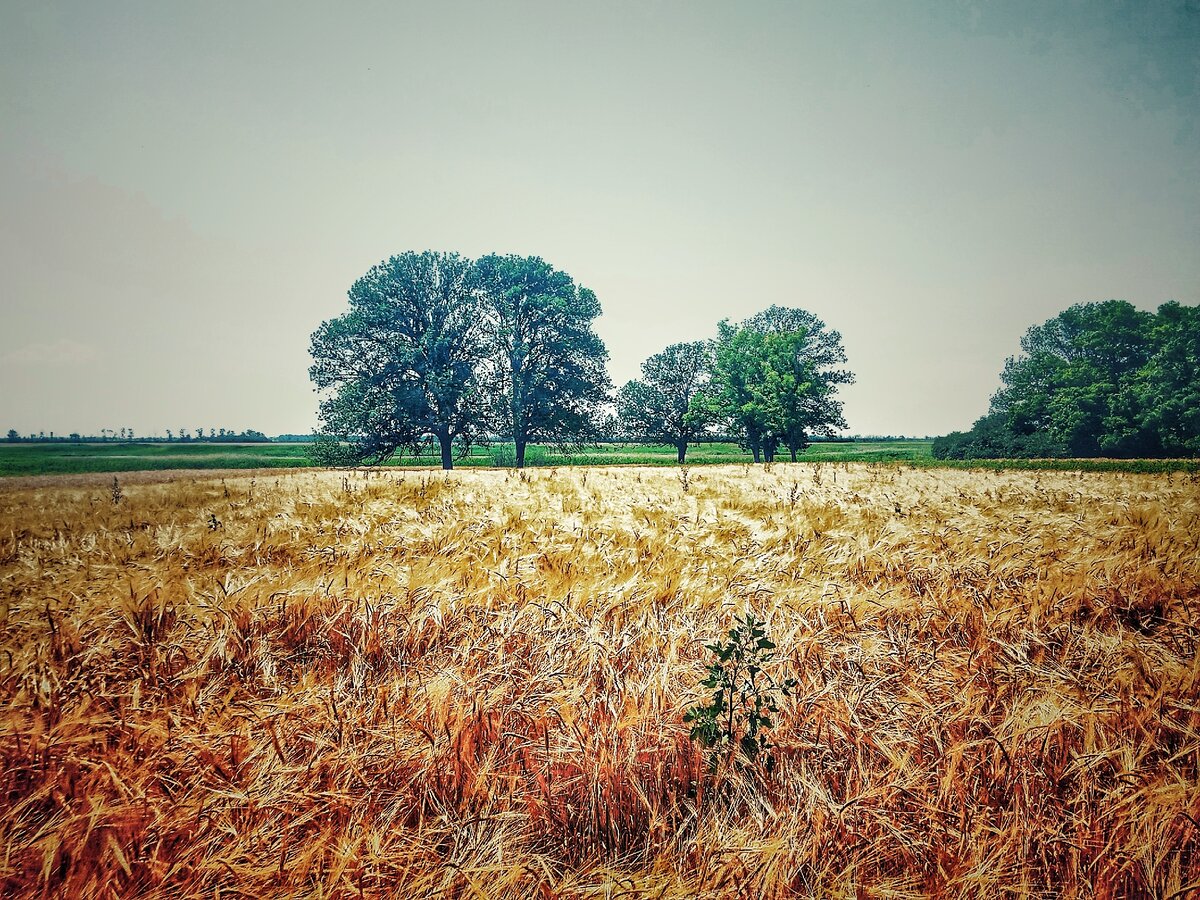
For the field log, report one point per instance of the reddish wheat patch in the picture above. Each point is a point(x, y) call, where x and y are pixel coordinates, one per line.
point(424, 685)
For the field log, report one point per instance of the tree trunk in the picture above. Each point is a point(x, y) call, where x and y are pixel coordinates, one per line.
point(682, 448)
point(447, 445)
point(769, 452)
point(754, 448)
point(516, 408)
point(793, 449)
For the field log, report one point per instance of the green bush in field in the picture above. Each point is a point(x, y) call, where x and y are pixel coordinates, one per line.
point(745, 694)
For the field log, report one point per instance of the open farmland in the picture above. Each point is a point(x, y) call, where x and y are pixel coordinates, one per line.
point(472, 684)
point(55, 458)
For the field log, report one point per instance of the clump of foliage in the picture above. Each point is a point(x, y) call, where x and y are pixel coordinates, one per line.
point(745, 694)
point(991, 437)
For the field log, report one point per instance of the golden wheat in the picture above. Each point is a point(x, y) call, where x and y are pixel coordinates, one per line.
point(472, 685)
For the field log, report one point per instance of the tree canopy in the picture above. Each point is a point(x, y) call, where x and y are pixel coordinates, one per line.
point(1099, 379)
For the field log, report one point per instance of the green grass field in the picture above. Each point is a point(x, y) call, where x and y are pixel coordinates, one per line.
point(703, 454)
point(69, 458)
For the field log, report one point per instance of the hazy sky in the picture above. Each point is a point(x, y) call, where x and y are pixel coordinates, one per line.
point(187, 190)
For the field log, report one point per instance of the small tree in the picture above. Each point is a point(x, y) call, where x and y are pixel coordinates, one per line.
point(736, 394)
point(668, 404)
point(797, 398)
point(745, 693)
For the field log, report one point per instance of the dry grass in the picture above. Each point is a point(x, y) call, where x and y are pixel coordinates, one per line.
point(417, 685)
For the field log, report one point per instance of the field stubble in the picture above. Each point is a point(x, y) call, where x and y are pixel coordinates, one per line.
point(429, 685)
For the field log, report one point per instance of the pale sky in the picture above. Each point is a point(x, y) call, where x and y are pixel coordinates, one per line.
point(188, 190)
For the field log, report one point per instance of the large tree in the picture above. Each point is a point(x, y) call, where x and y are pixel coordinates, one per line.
point(737, 398)
point(798, 397)
point(401, 367)
point(667, 405)
point(776, 379)
point(547, 365)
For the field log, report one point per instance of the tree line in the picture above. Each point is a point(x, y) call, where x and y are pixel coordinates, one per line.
point(439, 350)
point(1099, 379)
point(215, 435)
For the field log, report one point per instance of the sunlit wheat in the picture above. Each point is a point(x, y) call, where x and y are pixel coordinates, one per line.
point(473, 685)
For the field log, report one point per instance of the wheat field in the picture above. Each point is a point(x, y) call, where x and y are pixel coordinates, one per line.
point(472, 684)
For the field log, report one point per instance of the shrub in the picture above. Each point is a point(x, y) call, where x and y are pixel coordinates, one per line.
point(745, 694)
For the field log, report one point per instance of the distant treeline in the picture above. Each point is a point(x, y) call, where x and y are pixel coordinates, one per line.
point(214, 435)
point(1098, 380)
